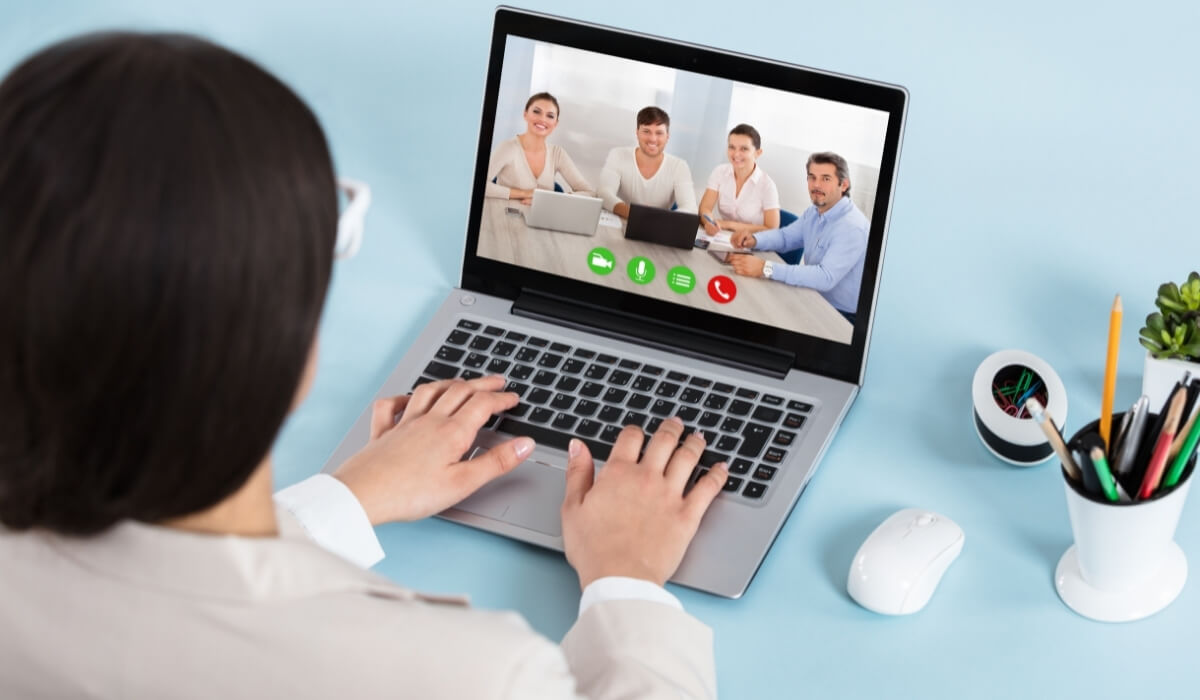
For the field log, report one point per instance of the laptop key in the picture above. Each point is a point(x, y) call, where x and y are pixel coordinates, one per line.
point(667, 389)
point(519, 410)
point(610, 414)
point(733, 483)
point(764, 473)
point(475, 360)
point(709, 419)
point(481, 343)
point(449, 354)
point(740, 408)
point(709, 458)
point(564, 421)
point(784, 437)
point(715, 401)
point(469, 325)
point(747, 394)
point(585, 354)
point(700, 382)
point(799, 406)
point(560, 347)
point(504, 349)
point(469, 374)
point(772, 400)
point(422, 380)
point(615, 395)
point(515, 336)
point(774, 455)
point(767, 415)
point(544, 378)
point(562, 402)
point(793, 420)
point(497, 366)
point(606, 359)
point(754, 490)
point(620, 377)
point(663, 408)
point(609, 435)
point(687, 414)
point(538, 342)
point(634, 418)
point(596, 372)
point(539, 415)
point(727, 443)
point(691, 395)
point(458, 337)
point(677, 376)
point(740, 466)
point(573, 366)
point(521, 372)
point(709, 436)
point(652, 426)
point(723, 387)
point(516, 387)
point(494, 330)
point(588, 427)
point(527, 355)
point(732, 425)
point(644, 383)
point(549, 360)
point(439, 370)
point(652, 370)
point(567, 384)
point(753, 438)
point(638, 401)
point(538, 396)
point(629, 364)
point(591, 389)
point(551, 438)
point(586, 407)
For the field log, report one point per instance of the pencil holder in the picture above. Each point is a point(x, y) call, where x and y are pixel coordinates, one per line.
point(1124, 564)
point(1002, 383)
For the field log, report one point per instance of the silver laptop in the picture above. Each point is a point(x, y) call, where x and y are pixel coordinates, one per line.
point(568, 213)
point(599, 332)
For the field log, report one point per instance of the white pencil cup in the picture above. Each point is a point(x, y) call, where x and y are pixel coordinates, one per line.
point(1125, 564)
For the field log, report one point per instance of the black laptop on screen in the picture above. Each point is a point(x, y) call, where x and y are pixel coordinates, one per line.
point(595, 333)
point(663, 226)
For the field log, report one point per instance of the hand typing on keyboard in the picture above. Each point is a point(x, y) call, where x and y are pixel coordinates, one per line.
point(633, 518)
point(412, 466)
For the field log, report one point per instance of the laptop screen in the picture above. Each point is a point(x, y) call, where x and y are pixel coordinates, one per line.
point(780, 176)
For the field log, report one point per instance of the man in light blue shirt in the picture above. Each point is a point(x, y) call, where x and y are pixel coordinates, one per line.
point(832, 232)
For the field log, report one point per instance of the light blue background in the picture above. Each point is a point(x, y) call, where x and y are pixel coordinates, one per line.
point(1050, 161)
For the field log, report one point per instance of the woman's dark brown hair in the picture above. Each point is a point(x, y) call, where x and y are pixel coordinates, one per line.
point(167, 220)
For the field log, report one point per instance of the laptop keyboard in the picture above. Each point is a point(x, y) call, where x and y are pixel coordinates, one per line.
point(572, 391)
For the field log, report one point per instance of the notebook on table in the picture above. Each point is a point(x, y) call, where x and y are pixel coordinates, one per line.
point(594, 337)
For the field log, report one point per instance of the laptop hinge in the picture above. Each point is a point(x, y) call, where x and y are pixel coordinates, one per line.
point(655, 334)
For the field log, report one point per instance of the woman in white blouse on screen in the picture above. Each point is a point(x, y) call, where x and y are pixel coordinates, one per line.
point(526, 162)
point(740, 196)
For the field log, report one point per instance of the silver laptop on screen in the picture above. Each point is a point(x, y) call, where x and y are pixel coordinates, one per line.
point(568, 213)
point(599, 332)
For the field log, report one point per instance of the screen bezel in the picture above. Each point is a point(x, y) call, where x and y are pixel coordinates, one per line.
point(812, 354)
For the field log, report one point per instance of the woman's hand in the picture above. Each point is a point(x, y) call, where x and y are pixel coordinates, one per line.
point(523, 196)
point(412, 465)
point(710, 226)
point(632, 519)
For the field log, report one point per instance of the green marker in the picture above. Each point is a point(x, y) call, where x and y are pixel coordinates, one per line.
point(1181, 459)
point(1106, 477)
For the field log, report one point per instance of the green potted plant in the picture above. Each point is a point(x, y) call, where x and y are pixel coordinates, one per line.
point(1171, 337)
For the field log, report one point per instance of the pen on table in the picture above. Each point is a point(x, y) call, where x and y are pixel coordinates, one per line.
point(1106, 478)
point(1056, 441)
point(709, 219)
point(1114, 447)
point(1122, 462)
point(1185, 453)
point(1158, 458)
point(1110, 371)
point(1083, 445)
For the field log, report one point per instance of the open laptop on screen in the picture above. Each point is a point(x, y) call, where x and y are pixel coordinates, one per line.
point(662, 226)
point(598, 332)
point(568, 213)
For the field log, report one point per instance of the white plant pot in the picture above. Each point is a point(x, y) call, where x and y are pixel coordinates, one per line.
point(1159, 377)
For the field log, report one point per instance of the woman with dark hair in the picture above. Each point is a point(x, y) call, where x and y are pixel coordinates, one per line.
point(744, 197)
point(151, 346)
point(526, 162)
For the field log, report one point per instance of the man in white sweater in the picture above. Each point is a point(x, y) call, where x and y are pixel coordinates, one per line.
point(645, 174)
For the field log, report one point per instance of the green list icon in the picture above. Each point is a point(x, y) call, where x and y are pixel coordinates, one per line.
point(681, 279)
point(601, 260)
point(640, 270)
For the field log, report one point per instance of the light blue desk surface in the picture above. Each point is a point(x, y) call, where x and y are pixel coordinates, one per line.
point(1049, 162)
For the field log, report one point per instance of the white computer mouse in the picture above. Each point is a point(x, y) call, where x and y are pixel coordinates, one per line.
point(900, 564)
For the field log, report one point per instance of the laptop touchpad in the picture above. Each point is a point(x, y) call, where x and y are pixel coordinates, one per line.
point(529, 496)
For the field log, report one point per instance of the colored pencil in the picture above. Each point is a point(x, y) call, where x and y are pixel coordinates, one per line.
point(1110, 371)
point(1158, 458)
point(1056, 441)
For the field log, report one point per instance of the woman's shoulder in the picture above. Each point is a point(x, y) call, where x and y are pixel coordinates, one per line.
point(722, 171)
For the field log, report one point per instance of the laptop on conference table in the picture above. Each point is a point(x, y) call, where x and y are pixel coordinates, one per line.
point(653, 225)
point(593, 339)
point(569, 213)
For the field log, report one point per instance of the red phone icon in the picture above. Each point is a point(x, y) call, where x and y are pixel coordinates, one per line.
point(721, 289)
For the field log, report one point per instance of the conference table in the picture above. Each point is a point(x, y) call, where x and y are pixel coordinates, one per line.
point(504, 236)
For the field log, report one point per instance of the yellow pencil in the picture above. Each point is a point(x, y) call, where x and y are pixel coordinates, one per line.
point(1110, 370)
